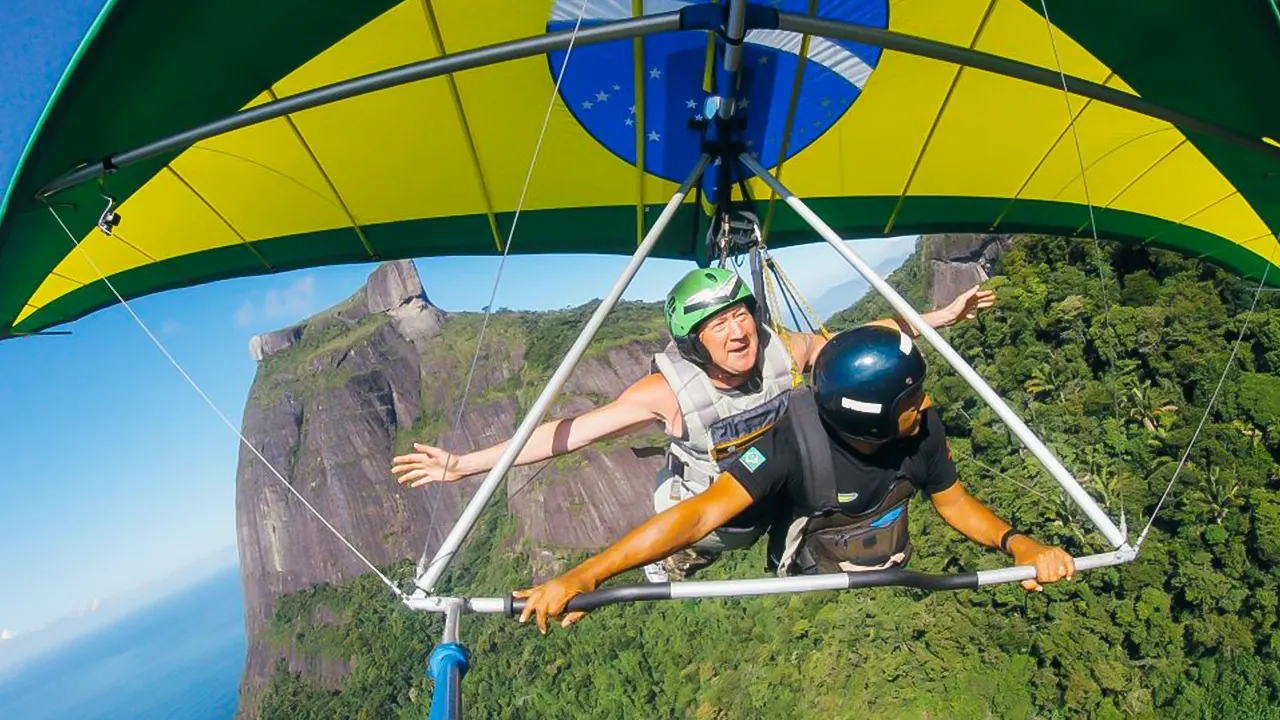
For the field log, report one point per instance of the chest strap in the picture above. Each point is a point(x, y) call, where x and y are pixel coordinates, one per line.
point(811, 440)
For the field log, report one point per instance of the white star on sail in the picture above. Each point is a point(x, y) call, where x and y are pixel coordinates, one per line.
point(602, 96)
point(654, 136)
point(630, 122)
point(691, 104)
point(587, 104)
point(655, 73)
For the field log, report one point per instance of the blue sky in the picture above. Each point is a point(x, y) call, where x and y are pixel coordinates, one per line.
point(116, 473)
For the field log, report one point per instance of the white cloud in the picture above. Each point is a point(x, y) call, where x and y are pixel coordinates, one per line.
point(170, 327)
point(280, 305)
point(7, 634)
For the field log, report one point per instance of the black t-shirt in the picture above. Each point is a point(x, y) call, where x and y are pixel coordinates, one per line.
point(772, 465)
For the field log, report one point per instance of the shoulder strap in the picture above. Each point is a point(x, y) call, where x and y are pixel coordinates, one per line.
point(693, 391)
point(777, 365)
point(813, 445)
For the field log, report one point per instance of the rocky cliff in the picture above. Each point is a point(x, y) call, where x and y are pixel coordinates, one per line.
point(955, 263)
point(339, 395)
point(336, 397)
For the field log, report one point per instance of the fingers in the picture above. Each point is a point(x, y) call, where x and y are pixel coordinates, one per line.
point(405, 462)
point(533, 606)
point(1054, 565)
point(1032, 586)
point(548, 601)
point(432, 452)
point(410, 476)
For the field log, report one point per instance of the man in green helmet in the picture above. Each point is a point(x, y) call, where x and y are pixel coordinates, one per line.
point(716, 379)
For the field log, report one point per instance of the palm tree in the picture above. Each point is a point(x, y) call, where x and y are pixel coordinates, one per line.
point(1217, 494)
point(1043, 380)
point(1149, 405)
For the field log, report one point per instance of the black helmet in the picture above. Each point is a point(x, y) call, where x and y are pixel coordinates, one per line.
point(864, 378)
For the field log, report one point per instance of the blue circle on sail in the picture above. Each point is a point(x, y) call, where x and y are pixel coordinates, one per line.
point(599, 83)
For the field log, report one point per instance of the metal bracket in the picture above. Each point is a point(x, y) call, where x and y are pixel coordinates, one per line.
point(110, 219)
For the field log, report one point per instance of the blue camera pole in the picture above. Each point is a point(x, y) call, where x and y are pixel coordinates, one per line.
point(448, 665)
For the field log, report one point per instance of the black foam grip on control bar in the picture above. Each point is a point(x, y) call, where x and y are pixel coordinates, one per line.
point(587, 602)
point(897, 577)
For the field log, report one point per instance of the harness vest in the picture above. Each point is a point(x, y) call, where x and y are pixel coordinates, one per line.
point(828, 539)
point(717, 420)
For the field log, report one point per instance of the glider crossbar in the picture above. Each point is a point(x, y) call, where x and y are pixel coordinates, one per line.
point(692, 590)
point(430, 575)
point(922, 47)
point(435, 67)
point(904, 309)
point(755, 18)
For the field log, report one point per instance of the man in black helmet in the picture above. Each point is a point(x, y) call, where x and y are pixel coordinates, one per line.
point(845, 459)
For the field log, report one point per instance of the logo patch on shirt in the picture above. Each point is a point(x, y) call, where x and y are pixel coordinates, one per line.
point(753, 459)
point(846, 497)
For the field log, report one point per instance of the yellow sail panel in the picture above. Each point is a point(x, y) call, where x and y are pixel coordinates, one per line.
point(1017, 32)
point(995, 129)
point(506, 106)
point(262, 181)
point(1116, 146)
point(392, 155)
point(1181, 182)
point(1231, 217)
point(53, 287)
point(993, 133)
point(873, 149)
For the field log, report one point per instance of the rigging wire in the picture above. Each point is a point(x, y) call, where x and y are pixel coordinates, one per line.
point(1235, 347)
point(506, 248)
point(1093, 221)
point(1106, 300)
point(182, 371)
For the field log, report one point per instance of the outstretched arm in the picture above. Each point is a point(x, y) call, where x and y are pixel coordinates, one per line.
point(966, 307)
point(646, 401)
point(967, 514)
point(679, 526)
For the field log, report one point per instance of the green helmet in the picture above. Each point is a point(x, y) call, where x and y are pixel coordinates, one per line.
point(696, 298)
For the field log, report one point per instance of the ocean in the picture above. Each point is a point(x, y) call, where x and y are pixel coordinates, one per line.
point(180, 657)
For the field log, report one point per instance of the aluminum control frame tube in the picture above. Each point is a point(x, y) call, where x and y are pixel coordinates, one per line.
point(431, 575)
point(456, 62)
point(904, 309)
point(705, 589)
point(734, 32)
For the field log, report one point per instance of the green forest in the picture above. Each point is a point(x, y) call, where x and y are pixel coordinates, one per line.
point(1114, 371)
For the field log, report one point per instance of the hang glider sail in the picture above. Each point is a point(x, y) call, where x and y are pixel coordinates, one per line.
point(878, 140)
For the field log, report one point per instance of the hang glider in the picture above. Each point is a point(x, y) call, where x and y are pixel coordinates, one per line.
point(192, 143)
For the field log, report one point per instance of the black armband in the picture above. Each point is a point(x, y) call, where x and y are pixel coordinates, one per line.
point(1004, 540)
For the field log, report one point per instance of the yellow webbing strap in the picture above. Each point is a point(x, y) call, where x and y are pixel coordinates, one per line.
point(779, 329)
point(795, 293)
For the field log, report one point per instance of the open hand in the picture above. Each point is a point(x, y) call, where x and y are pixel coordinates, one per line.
point(549, 600)
point(968, 304)
point(1052, 564)
point(428, 465)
